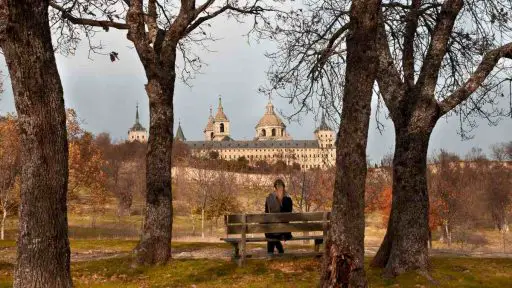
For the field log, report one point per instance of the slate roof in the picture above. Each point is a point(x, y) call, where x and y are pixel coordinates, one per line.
point(323, 125)
point(179, 134)
point(252, 144)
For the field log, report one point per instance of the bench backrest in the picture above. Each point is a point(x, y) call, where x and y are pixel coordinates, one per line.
point(277, 222)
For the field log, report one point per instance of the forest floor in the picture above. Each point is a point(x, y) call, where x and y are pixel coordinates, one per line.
point(101, 257)
point(106, 263)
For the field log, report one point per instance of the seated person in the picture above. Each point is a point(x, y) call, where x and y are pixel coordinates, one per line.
point(278, 202)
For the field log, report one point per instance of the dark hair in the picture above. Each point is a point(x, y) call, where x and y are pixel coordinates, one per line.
point(279, 182)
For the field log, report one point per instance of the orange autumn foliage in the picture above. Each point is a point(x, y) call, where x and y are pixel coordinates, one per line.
point(378, 199)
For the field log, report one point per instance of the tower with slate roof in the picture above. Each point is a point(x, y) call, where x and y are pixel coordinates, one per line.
point(179, 133)
point(324, 134)
point(218, 127)
point(137, 132)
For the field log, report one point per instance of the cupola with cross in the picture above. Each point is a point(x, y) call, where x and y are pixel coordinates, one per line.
point(270, 126)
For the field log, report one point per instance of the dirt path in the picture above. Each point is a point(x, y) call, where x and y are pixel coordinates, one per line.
point(9, 254)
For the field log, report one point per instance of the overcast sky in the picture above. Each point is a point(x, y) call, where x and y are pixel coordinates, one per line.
point(104, 94)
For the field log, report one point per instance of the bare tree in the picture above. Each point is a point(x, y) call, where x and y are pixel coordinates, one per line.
point(498, 194)
point(160, 31)
point(417, 98)
point(43, 246)
point(436, 58)
point(344, 251)
point(502, 151)
point(446, 192)
point(205, 180)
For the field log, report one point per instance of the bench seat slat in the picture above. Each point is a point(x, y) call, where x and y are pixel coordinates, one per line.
point(276, 228)
point(276, 217)
point(263, 239)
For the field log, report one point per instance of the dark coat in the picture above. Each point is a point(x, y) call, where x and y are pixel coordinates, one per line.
point(286, 207)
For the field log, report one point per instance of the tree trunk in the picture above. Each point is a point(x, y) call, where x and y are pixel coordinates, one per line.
point(193, 225)
point(202, 223)
point(404, 247)
point(154, 246)
point(2, 225)
point(448, 234)
point(43, 245)
point(344, 251)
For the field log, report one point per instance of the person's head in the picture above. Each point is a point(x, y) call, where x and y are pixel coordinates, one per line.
point(279, 186)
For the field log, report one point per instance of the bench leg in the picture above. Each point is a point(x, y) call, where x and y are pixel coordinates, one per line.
point(236, 251)
point(317, 244)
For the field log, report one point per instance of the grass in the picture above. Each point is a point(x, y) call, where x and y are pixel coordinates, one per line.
point(116, 272)
point(124, 245)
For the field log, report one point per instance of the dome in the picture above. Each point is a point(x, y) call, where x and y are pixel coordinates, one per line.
point(270, 119)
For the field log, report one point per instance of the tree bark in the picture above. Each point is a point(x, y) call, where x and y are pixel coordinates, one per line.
point(344, 251)
point(405, 247)
point(154, 246)
point(43, 245)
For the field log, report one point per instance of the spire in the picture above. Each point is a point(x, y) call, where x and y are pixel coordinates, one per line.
point(220, 116)
point(137, 114)
point(323, 125)
point(209, 124)
point(137, 126)
point(179, 133)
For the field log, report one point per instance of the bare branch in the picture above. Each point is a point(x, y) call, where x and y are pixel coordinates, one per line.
point(487, 64)
point(438, 46)
point(388, 78)
point(105, 24)
point(251, 10)
point(410, 33)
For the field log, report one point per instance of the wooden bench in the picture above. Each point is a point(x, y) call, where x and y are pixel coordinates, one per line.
point(240, 226)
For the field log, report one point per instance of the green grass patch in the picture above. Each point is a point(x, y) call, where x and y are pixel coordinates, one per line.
point(7, 243)
point(448, 272)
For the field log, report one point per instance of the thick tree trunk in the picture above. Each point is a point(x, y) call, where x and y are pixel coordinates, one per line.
point(404, 247)
point(344, 251)
point(42, 246)
point(154, 246)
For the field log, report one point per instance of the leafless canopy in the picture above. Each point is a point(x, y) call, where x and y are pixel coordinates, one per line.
point(308, 64)
point(184, 22)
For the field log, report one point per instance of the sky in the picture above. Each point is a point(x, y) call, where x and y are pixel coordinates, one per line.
point(105, 94)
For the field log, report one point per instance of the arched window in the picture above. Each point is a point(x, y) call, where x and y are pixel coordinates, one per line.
point(263, 133)
point(221, 127)
point(273, 132)
point(282, 132)
point(211, 135)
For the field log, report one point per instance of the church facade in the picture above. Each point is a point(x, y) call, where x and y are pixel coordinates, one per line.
point(271, 142)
